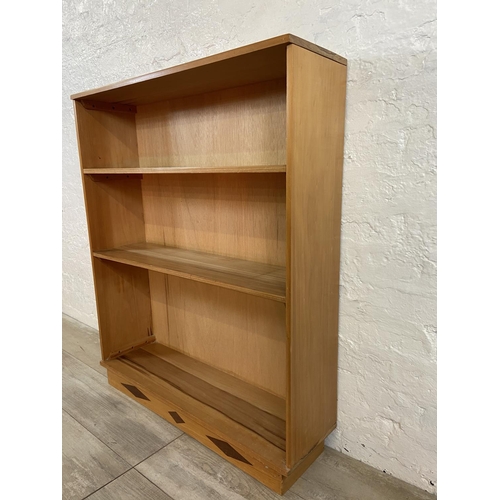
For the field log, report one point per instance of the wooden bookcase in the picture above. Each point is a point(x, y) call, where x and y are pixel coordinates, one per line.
point(213, 198)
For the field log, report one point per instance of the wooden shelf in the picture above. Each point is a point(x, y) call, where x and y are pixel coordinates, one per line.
point(243, 415)
point(254, 278)
point(187, 170)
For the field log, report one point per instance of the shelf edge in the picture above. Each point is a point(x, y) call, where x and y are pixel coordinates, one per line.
point(192, 277)
point(187, 170)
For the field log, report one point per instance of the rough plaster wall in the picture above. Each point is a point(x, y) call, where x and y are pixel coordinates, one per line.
point(387, 382)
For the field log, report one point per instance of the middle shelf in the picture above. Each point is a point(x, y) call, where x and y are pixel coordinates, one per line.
point(254, 278)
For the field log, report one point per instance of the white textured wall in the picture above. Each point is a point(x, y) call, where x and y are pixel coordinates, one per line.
point(387, 383)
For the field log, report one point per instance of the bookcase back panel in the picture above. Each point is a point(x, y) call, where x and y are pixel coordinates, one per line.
point(235, 215)
point(235, 332)
point(234, 127)
point(114, 212)
point(106, 139)
point(123, 305)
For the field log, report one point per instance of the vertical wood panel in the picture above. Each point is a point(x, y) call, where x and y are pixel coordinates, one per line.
point(114, 218)
point(114, 212)
point(235, 215)
point(238, 333)
point(315, 137)
point(238, 126)
point(106, 139)
point(159, 309)
point(123, 304)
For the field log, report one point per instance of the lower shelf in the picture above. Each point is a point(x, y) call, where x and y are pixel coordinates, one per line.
point(243, 422)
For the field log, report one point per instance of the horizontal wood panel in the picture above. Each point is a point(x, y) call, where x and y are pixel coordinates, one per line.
point(259, 61)
point(258, 398)
point(147, 382)
point(235, 407)
point(245, 169)
point(255, 278)
point(238, 456)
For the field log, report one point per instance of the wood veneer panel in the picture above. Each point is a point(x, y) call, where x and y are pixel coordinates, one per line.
point(106, 139)
point(235, 127)
point(259, 398)
point(236, 407)
point(199, 431)
point(261, 61)
point(240, 334)
point(123, 305)
point(234, 215)
point(187, 170)
point(255, 278)
point(156, 387)
point(114, 218)
point(315, 132)
point(115, 214)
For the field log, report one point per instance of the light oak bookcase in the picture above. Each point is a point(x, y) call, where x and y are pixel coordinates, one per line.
point(213, 198)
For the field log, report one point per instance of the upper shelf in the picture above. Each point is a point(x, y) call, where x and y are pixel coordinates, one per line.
point(258, 62)
point(187, 170)
point(254, 278)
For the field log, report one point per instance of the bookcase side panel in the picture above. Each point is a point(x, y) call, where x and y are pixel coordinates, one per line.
point(114, 217)
point(106, 138)
point(315, 137)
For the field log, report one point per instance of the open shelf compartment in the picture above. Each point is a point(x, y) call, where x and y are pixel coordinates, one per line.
point(249, 420)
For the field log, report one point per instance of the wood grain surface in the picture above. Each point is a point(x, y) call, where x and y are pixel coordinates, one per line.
point(234, 215)
point(237, 333)
point(123, 305)
point(315, 132)
point(234, 127)
point(230, 169)
point(255, 278)
point(233, 404)
point(211, 419)
point(261, 61)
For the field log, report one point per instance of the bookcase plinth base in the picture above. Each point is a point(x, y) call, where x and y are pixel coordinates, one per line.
point(236, 455)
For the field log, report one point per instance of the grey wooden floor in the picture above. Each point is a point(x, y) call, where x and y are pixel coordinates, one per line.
point(115, 449)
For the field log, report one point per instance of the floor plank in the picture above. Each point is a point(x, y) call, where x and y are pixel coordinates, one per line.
point(347, 478)
point(130, 486)
point(87, 464)
point(82, 342)
point(129, 429)
point(186, 470)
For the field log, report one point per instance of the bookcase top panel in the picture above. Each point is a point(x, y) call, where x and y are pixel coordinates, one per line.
point(261, 61)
